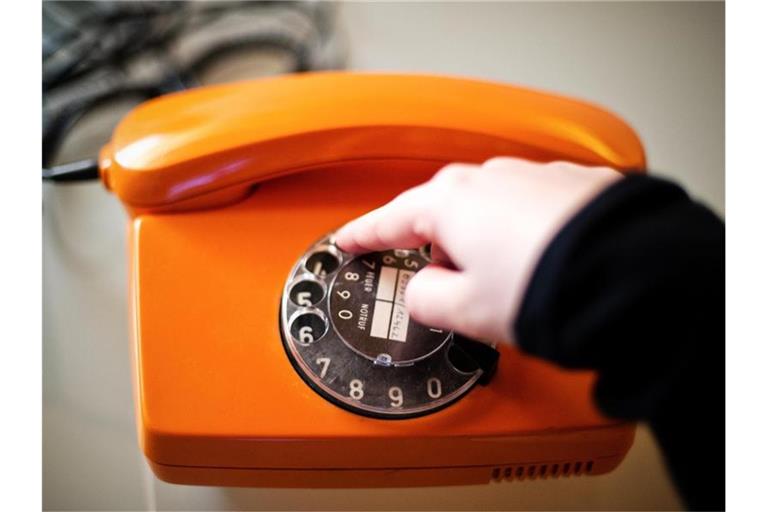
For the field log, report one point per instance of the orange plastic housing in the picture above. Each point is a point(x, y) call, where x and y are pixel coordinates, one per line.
point(228, 185)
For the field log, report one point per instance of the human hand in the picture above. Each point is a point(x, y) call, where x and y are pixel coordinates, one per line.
point(488, 225)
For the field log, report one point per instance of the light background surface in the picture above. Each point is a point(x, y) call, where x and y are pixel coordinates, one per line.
point(658, 65)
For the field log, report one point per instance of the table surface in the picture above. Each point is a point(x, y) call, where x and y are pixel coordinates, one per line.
point(658, 65)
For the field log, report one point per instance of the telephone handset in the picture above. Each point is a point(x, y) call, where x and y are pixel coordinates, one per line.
point(209, 146)
point(265, 356)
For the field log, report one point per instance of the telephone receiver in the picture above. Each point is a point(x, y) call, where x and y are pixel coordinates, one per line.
point(264, 355)
point(209, 146)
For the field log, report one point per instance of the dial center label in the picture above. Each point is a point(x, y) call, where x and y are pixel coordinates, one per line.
point(390, 318)
point(367, 306)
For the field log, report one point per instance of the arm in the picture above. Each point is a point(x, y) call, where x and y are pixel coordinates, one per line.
point(623, 276)
point(634, 287)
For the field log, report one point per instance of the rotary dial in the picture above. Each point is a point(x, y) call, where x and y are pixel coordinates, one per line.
point(348, 334)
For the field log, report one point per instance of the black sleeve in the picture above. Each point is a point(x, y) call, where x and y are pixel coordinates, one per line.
point(634, 288)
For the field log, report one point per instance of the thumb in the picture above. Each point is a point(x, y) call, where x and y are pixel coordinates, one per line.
point(435, 296)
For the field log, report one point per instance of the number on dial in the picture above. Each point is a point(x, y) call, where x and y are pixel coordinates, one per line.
point(434, 388)
point(396, 396)
point(324, 362)
point(356, 389)
point(305, 334)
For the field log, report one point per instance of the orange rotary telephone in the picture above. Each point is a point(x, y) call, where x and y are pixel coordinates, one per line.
point(265, 356)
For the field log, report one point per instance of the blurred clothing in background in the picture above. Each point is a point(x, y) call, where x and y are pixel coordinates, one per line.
point(117, 54)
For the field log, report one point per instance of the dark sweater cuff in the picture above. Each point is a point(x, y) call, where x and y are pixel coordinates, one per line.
point(536, 327)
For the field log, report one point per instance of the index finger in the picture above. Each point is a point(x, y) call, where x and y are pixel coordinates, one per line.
point(403, 223)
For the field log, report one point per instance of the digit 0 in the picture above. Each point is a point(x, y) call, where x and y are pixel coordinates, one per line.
point(434, 388)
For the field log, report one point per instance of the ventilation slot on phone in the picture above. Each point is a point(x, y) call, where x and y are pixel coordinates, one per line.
point(534, 471)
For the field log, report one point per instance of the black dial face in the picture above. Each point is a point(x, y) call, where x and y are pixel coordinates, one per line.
point(348, 334)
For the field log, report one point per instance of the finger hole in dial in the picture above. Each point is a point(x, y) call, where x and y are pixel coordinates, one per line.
point(308, 326)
